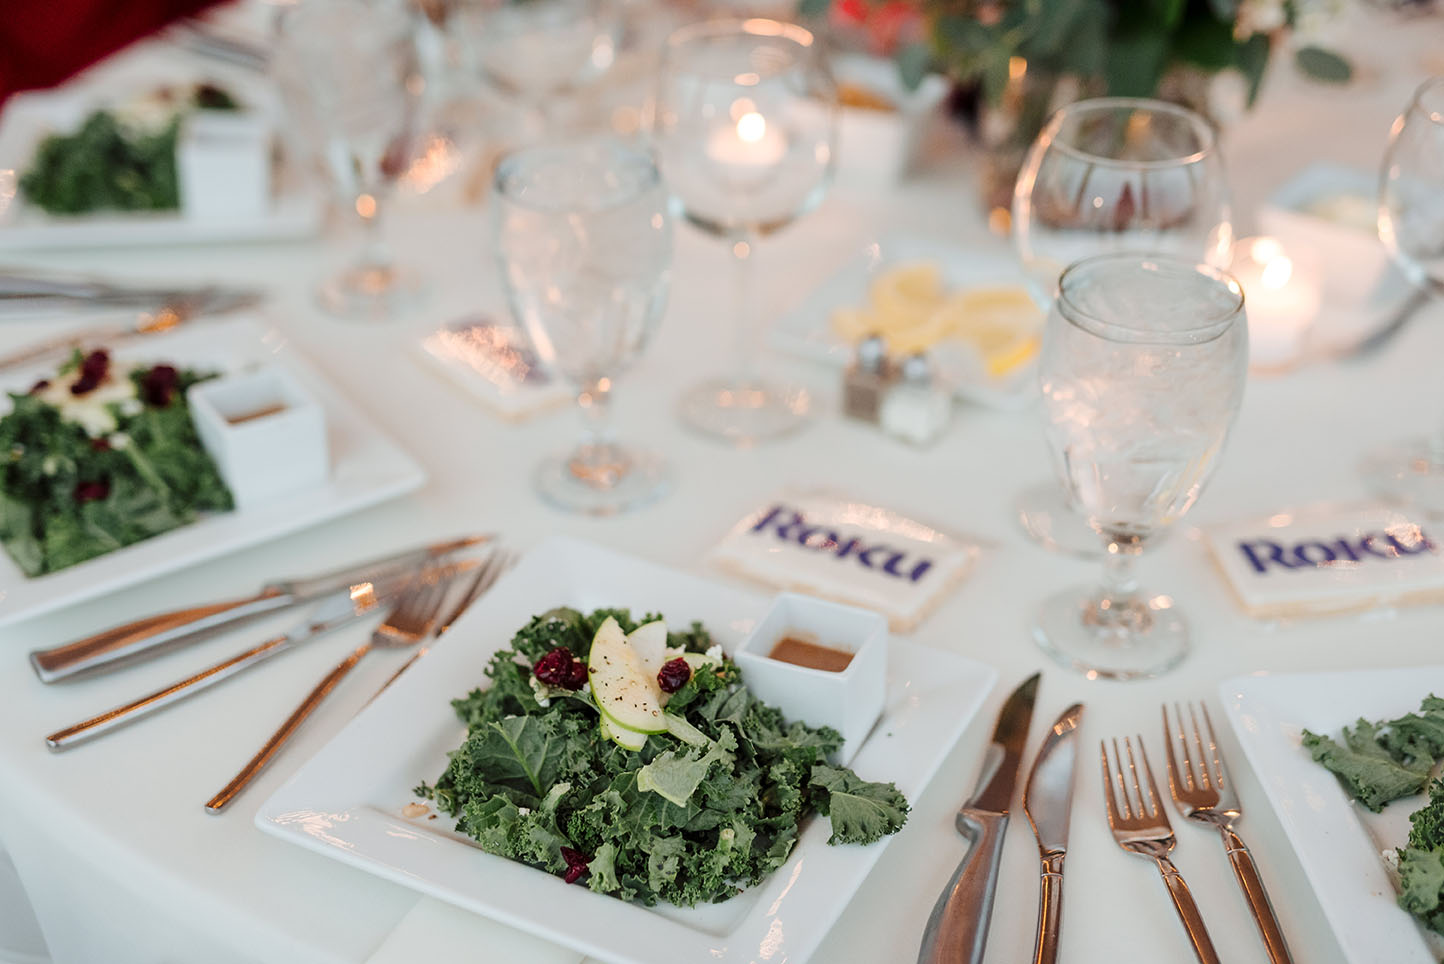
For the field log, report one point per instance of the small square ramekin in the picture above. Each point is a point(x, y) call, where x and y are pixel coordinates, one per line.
point(849, 701)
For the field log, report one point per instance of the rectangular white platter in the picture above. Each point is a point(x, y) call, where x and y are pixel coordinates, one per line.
point(346, 802)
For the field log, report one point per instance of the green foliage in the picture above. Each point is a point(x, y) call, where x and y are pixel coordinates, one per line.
point(158, 477)
point(672, 822)
point(1324, 65)
point(104, 166)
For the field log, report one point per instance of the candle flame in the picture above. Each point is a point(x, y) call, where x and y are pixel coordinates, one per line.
point(1277, 272)
point(751, 127)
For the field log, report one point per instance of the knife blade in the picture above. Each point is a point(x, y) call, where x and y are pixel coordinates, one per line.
point(957, 929)
point(149, 637)
point(1048, 802)
point(330, 614)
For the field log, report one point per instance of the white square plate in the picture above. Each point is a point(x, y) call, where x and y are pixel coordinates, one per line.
point(1326, 830)
point(366, 468)
point(807, 331)
point(347, 801)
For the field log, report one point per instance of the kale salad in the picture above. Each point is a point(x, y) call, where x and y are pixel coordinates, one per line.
point(1380, 762)
point(101, 455)
point(632, 758)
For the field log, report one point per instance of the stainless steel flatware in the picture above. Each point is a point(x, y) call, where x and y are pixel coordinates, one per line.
point(1204, 792)
point(411, 621)
point(1048, 802)
point(1140, 825)
point(957, 930)
point(153, 635)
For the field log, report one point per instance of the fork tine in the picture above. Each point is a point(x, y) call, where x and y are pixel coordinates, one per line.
point(1152, 785)
point(1128, 809)
point(1143, 810)
point(1176, 784)
point(1203, 757)
point(1108, 798)
point(1220, 772)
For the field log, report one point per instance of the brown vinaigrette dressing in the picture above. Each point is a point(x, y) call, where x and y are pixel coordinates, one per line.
point(258, 413)
point(800, 652)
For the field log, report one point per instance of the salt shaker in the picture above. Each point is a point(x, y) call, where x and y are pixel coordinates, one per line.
point(917, 407)
point(866, 380)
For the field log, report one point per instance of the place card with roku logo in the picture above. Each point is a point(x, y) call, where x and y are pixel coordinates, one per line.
point(1325, 560)
point(848, 551)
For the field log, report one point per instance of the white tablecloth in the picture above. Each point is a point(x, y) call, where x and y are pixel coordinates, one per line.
point(122, 864)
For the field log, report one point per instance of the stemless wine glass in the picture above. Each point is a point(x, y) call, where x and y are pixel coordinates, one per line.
point(1142, 369)
point(745, 124)
point(348, 72)
point(584, 242)
point(1113, 174)
point(1411, 224)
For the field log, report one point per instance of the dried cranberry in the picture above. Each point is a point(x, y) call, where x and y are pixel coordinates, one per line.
point(159, 384)
point(561, 668)
point(40, 386)
point(91, 491)
point(101, 444)
point(93, 369)
point(576, 864)
point(673, 675)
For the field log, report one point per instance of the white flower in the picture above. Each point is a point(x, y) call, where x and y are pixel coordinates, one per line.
point(1259, 16)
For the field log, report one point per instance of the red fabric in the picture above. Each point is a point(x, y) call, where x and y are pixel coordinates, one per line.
point(43, 42)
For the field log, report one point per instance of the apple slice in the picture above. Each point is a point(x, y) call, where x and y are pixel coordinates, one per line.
point(623, 737)
point(649, 640)
point(621, 686)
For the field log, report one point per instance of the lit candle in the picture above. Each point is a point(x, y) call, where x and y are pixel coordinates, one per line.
point(1281, 300)
point(748, 144)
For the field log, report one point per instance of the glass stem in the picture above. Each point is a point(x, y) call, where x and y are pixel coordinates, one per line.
point(749, 327)
point(1118, 610)
point(375, 255)
point(597, 461)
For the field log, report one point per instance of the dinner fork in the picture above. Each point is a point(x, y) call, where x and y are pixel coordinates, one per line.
point(408, 624)
point(1205, 793)
point(1141, 827)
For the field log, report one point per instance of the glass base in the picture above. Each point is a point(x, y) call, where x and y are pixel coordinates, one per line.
point(1144, 640)
point(370, 292)
point(602, 480)
point(1047, 516)
point(1410, 471)
point(745, 412)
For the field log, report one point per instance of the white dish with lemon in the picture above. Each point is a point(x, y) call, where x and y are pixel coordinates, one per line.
point(968, 310)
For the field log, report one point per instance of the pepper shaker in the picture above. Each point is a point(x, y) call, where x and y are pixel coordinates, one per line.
point(866, 380)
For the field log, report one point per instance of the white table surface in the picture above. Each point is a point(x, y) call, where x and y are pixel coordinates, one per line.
point(122, 863)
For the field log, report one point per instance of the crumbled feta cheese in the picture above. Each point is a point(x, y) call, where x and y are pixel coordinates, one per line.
point(523, 811)
point(542, 691)
point(714, 651)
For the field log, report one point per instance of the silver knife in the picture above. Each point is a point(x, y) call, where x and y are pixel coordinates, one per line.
point(1048, 802)
point(332, 613)
point(153, 635)
point(957, 930)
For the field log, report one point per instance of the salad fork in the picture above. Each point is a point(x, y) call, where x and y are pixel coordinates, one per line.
point(408, 624)
point(1205, 793)
point(1140, 825)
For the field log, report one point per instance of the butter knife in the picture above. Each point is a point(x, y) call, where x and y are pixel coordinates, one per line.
point(154, 635)
point(957, 930)
point(1048, 802)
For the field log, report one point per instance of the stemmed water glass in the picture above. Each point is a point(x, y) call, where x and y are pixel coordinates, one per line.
point(584, 243)
point(348, 72)
point(1411, 224)
point(745, 125)
point(1113, 174)
point(1142, 369)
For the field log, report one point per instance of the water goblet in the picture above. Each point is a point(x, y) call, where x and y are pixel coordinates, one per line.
point(1112, 174)
point(745, 124)
point(347, 70)
point(584, 244)
point(1411, 225)
point(1142, 370)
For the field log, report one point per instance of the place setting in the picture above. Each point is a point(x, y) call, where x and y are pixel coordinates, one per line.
point(866, 610)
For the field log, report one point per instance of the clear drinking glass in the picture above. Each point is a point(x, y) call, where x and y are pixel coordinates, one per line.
point(1142, 369)
point(745, 124)
point(348, 72)
point(584, 243)
point(1113, 174)
point(1411, 224)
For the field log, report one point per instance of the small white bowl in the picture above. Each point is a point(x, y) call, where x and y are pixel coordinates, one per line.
point(267, 435)
point(223, 165)
point(877, 148)
point(849, 701)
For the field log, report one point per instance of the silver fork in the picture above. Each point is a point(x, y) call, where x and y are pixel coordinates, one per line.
point(408, 624)
point(1141, 827)
point(1204, 792)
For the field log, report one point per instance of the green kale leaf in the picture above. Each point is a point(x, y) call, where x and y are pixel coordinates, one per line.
point(1370, 773)
point(860, 812)
point(1421, 880)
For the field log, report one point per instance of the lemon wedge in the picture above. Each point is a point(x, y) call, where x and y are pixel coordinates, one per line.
point(907, 296)
point(1002, 322)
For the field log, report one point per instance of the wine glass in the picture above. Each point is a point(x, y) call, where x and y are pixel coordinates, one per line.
point(1112, 174)
point(745, 123)
point(1142, 369)
point(1411, 224)
point(540, 51)
point(584, 243)
point(348, 72)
